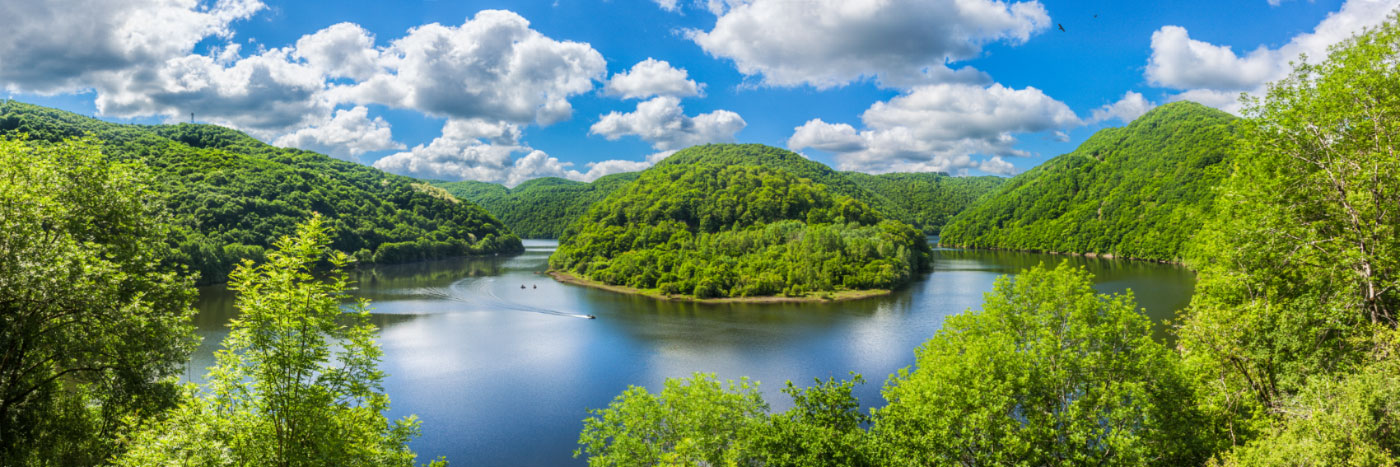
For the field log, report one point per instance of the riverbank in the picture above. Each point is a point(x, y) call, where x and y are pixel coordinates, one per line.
point(820, 297)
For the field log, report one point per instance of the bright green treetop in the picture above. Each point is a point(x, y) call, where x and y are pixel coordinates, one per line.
point(92, 329)
point(1299, 278)
point(1047, 373)
point(702, 421)
point(297, 382)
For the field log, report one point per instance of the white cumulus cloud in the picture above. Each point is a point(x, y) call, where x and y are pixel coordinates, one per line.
point(346, 135)
point(1131, 106)
point(662, 122)
point(343, 50)
point(138, 57)
point(652, 77)
point(492, 67)
point(1215, 75)
point(938, 128)
point(1183, 63)
point(475, 149)
point(62, 45)
point(263, 94)
point(828, 43)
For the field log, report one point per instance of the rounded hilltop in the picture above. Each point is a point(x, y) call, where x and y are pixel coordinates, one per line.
point(739, 222)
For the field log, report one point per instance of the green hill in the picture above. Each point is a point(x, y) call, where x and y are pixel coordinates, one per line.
point(1138, 191)
point(927, 200)
point(785, 160)
point(923, 200)
point(233, 195)
point(541, 207)
point(743, 230)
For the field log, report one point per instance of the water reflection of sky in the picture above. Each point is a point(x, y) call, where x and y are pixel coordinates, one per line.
point(502, 375)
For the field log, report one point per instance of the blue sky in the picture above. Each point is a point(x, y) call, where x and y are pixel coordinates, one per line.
point(507, 91)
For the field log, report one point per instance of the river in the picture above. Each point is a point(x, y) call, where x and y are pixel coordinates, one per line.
point(501, 375)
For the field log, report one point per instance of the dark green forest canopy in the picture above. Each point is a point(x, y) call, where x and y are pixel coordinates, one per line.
point(231, 194)
point(927, 200)
point(1139, 191)
point(711, 231)
point(541, 207)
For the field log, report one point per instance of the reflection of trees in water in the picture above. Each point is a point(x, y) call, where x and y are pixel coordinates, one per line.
point(438, 273)
point(686, 324)
point(376, 283)
point(1161, 289)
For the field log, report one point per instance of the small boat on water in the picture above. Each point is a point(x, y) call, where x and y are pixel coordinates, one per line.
point(591, 317)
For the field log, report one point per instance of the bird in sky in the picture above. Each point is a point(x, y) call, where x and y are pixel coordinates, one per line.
point(1062, 27)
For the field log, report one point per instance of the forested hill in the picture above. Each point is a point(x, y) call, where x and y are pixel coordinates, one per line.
point(788, 161)
point(708, 231)
point(233, 195)
point(541, 207)
point(923, 200)
point(1138, 191)
point(927, 200)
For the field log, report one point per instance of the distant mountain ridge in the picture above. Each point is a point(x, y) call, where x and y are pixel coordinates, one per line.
point(927, 200)
point(233, 195)
point(543, 207)
point(540, 207)
point(1139, 191)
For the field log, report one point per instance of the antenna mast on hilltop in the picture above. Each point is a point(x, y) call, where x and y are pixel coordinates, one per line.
point(191, 118)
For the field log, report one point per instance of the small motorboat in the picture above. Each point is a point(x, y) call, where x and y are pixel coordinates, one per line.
point(591, 317)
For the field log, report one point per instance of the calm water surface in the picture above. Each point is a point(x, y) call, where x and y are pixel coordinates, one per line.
point(501, 375)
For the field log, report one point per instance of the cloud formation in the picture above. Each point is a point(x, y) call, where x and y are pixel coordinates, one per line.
point(49, 49)
point(1131, 106)
point(492, 151)
point(652, 77)
point(343, 50)
point(662, 122)
point(938, 128)
point(491, 67)
point(829, 43)
point(346, 135)
point(488, 76)
point(1215, 75)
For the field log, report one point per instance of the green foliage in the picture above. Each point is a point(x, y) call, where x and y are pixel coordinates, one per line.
point(297, 382)
point(232, 195)
point(93, 331)
point(1354, 420)
point(701, 421)
point(1049, 372)
point(825, 427)
point(541, 207)
point(738, 231)
point(1140, 191)
point(544, 207)
point(926, 200)
point(690, 422)
point(1299, 269)
point(781, 159)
